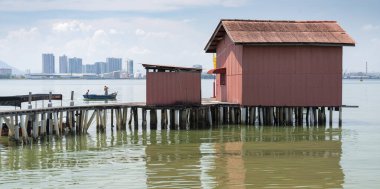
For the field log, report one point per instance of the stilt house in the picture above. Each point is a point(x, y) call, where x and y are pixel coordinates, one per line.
point(279, 63)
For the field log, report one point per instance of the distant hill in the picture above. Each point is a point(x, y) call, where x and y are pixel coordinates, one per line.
point(15, 71)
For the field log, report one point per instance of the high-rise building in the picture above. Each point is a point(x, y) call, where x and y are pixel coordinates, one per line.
point(130, 67)
point(5, 73)
point(114, 64)
point(75, 65)
point(48, 63)
point(90, 68)
point(101, 67)
point(63, 65)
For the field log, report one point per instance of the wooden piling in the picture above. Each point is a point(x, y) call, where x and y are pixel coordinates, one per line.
point(340, 116)
point(330, 116)
point(135, 117)
point(153, 119)
point(143, 124)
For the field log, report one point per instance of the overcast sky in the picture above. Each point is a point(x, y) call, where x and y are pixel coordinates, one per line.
point(164, 31)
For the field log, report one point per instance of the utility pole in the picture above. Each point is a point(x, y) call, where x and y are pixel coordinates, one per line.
point(366, 68)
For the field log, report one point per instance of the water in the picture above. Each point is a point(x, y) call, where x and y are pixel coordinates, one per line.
point(228, 156)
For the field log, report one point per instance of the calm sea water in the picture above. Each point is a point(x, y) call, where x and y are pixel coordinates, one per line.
point(228, 156)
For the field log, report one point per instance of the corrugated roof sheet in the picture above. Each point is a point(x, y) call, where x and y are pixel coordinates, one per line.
point(256, 32)
point(170, 68)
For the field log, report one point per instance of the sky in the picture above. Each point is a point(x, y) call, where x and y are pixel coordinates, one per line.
point(172, 32)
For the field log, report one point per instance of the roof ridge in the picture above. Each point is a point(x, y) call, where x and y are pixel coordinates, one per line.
point(287, 21)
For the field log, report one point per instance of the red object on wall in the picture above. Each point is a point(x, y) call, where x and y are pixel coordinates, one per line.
point(280, 63)
point(169, 85)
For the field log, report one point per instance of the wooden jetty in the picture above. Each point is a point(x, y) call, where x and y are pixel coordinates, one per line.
point(26, 125)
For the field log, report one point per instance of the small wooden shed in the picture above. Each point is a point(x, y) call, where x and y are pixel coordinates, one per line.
point(171, 85)
point(279, 63)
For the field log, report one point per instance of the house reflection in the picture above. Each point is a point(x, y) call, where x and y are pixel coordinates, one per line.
point(245, 157)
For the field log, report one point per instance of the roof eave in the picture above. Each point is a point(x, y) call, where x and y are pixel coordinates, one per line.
point(216, 31)
point(295, 44)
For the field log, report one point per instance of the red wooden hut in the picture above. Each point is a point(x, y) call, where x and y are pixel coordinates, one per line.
point(279, 63)
point(171, 85)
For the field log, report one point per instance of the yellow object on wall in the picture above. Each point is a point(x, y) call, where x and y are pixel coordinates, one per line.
point(214, 59)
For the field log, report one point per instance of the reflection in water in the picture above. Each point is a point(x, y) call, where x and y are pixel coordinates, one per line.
point(227, 157)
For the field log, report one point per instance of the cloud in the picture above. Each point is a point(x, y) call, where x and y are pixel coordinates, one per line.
point(71, 26)
point(115, 5)
point(370, 27)
point(138, 51)
point(143, 39)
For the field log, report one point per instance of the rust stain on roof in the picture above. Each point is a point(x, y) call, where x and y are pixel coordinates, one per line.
point(281, 32)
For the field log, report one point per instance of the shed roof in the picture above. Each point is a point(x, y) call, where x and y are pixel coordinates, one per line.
point(170, 68)
point(280, 32)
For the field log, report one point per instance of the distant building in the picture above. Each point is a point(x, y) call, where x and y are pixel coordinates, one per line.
point(197, 66)
point(5, 73)
point(90, 68)
point(63, 64)
point(100, 67)
point(48, 63)
point(130, 67)
point(75, 65)
point(114, 64)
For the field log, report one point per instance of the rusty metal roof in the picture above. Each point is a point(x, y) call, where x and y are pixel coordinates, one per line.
point(281, 32)
point(169, 68)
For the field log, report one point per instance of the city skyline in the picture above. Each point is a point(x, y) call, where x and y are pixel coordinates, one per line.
point(165, 32)
point(75, 65)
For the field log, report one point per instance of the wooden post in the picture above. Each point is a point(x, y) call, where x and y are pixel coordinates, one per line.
point(72, 98)
point(50, 104)
point(143, 118)
point(104, 120)
point(330, 116)
point(56, 122)
point(61, 122)
point(251, 116)
point(172, 119)
point(112, 119)
point(43, 124)
point(164, 118)
point(97, 121)
point(209, 117)
point(23, 124)
point(176, 119)
point(315, 116)
point(340, 116)
point(30, 101)
point(153, 119)
point(221, 115)
point(136, 117)
point(232, 115)
point(1, 126)
point(307, 116)
point(35, 126)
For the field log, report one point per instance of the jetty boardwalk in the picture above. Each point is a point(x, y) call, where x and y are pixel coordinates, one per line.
point(268, 73)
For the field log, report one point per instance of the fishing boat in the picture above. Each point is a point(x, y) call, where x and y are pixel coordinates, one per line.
point(111, 96)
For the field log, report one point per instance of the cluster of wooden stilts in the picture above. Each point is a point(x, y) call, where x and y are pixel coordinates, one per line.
point(32, 124)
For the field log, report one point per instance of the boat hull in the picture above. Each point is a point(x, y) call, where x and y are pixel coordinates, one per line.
point(100, 97)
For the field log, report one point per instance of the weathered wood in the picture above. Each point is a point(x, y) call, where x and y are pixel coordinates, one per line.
point(340, 116)
point(330, 116)
point(209, 117)
point(112, 119)
point(1, 126)
point(143, 118)
point(56, 122)
point(90, 121)
point(172, 119)
point(35, 126)
point(153, 119)
point(164, 120)
point(135, 117)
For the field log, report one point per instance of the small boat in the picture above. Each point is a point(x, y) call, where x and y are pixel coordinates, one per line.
point(111, 96)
